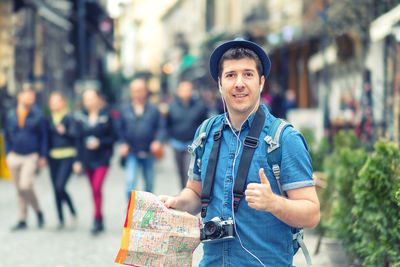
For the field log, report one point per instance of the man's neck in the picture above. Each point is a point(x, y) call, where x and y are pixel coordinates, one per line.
point(23, 108)
point(237, 119)
point(137, 103)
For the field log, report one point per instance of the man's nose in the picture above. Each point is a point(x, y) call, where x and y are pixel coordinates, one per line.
point(239, 81)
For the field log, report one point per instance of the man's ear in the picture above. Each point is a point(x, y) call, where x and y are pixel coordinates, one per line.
point(262, 81)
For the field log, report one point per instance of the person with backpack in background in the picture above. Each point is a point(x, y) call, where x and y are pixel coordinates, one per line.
point(63, 138)
point(141, 136)
point(184, 115)
point(25, 135)
point(95, 146)
point(237, 179)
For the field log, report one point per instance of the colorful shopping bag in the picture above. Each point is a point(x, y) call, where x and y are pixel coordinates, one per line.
point(154, 235)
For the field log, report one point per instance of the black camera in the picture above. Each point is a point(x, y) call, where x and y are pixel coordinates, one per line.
point(217, 229)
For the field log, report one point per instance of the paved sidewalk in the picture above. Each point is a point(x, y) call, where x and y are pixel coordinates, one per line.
point(74, 246)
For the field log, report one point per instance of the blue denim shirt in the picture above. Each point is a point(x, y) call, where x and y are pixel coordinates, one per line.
point(261, 233)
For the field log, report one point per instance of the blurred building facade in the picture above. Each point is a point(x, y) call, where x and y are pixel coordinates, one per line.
point(338, 56)
point(51, 45)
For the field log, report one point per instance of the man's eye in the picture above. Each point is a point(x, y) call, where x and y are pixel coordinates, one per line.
point(248, 74)
point(229, 75)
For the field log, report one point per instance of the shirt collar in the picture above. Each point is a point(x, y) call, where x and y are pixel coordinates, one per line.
point(249, 121)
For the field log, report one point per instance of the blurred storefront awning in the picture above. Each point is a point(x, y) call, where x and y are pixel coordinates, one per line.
point(383, 25)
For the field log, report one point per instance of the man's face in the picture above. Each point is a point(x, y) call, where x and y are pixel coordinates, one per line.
point(138, 90)
point(184, 91)
point(27, 98)
point(241, 85)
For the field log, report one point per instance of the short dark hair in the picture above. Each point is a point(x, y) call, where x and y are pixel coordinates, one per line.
point(240, 53)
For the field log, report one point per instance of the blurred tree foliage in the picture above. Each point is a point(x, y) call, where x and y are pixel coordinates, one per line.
point(376, 212)
point(335, 167)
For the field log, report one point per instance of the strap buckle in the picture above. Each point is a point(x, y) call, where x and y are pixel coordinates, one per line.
point(204, 207)
point(217, 135)
point(250, 142)
point(236, 200)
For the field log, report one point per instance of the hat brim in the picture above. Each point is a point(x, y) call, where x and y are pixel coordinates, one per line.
point(221, 49)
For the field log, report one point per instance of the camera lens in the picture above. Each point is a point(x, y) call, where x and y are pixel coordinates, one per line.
point(212, 229)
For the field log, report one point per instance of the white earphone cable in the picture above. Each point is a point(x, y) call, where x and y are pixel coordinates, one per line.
point(238, 147)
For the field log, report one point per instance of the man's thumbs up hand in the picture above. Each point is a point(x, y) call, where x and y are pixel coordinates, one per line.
point(263, 178)
point(260, 196)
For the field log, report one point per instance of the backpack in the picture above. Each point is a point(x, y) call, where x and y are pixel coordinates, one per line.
point(274, 157)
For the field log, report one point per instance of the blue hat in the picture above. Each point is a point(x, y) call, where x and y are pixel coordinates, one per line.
point(238, 42)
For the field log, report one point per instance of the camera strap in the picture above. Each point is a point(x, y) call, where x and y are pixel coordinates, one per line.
point(250, 144)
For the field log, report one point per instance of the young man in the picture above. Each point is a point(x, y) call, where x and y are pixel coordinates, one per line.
point(264, 219)
point(26, 149)
point(185, 114)
point(141, 132)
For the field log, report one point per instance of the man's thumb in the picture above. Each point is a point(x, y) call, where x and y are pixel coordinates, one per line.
point(263, 178)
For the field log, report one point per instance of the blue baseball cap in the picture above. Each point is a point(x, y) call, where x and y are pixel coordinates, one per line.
point(238, 42)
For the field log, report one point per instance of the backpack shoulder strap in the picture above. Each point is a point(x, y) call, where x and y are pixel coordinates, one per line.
point(274, 153)
point(274, 158)
point(196, 149)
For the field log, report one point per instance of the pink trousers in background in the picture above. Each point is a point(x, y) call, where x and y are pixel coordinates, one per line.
point(96, 179)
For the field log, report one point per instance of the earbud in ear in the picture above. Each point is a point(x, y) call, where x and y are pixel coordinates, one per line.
point(261, 88)
point(220, 88)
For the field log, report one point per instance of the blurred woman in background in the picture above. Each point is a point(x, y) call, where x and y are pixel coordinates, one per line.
point(62, 151)
point(94, 148)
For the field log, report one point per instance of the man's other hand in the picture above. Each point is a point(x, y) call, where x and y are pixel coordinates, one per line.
point(169, 201)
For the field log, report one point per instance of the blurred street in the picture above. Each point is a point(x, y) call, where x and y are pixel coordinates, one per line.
point(75, 246)
point(80, 76)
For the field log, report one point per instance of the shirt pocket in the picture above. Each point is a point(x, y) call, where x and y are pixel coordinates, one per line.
point(261, 161)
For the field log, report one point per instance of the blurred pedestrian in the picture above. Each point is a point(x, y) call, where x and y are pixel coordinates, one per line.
point(96, 138)
point(141, 134)
point(289, 102)
point(185, 114)
point(26, 150)
point(62, 151)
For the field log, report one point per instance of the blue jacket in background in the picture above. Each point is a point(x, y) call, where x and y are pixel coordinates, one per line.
point(182, 121)
point(140, 131)
point(31, 138)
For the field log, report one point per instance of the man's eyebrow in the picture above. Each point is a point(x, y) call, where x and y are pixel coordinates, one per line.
point(230, 71)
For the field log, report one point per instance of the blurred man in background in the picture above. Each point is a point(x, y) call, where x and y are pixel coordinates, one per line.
point(26, 149)
point(184, 116)
point(141, 134)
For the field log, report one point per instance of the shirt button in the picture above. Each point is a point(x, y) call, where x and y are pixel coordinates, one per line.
point(225, 252)
point(226, 204)
point(228, 180)
point(231, 155)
